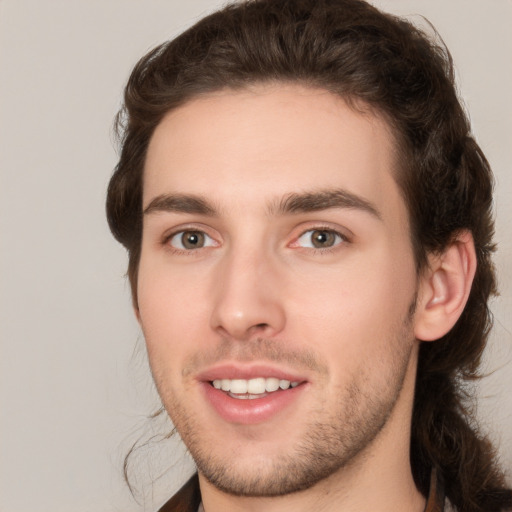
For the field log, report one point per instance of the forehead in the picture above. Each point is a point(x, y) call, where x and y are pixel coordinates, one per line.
point(261, 143)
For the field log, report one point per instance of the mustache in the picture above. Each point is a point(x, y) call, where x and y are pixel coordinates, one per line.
point(260, 349)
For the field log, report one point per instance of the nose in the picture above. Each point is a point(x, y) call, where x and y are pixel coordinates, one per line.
point(249, 300)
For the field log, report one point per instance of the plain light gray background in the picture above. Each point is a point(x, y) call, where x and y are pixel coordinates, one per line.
point(74, 385)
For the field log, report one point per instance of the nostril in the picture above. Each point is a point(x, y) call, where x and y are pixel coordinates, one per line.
point(261, 329)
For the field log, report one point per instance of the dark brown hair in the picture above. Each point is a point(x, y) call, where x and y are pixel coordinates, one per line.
point(353, 50)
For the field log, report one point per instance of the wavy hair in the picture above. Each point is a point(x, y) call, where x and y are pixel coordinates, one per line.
point(353, 50)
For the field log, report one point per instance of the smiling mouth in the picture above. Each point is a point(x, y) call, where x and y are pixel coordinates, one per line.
point(250, 389)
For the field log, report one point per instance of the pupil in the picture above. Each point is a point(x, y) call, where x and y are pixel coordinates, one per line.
point(192, 239)
point(322, 238)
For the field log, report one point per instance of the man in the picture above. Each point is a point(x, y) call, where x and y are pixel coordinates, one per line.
point(309, 229)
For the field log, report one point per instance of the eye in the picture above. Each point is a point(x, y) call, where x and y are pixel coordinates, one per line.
point(320, 239)
point(189, 240)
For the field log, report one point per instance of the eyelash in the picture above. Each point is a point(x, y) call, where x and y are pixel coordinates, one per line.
point(167, 240)
point(344, 239)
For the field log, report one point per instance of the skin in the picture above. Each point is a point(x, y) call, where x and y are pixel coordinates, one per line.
point(339, 317)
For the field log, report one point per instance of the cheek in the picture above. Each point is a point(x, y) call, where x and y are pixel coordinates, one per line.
point(358, 307)
point(170, 315)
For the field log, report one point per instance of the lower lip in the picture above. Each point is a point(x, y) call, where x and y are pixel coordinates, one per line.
point(250, 411)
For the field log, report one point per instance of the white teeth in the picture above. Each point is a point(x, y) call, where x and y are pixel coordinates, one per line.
point(238, 386)
point(272, 384)
point(257, 386)
point(284, 384)
point(247, 396)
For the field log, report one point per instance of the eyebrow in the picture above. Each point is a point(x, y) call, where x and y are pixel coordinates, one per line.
point(293, 203)
point(180, 203)
point(324, 200)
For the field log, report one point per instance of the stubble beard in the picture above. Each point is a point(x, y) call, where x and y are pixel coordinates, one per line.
point(337, 440)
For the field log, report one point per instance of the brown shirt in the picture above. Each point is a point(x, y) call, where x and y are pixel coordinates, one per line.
point(188, 498)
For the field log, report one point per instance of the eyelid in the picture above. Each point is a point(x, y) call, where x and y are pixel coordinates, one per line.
point(207, 241)
point(179, 230)
point(345, 235)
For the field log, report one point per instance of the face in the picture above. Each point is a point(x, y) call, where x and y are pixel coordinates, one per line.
point(276, 284)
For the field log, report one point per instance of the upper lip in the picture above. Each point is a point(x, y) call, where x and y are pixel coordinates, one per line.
point(246, 372)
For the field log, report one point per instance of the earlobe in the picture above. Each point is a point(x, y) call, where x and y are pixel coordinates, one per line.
point(444, 288)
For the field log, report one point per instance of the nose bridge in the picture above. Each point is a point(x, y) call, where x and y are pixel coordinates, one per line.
point(247, 300)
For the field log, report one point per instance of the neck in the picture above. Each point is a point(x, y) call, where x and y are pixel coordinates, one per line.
point(378, 479)
point(347, 491)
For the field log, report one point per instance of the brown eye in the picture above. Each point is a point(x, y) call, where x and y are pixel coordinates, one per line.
point(189, 240)
point(192, 239)
point(320, 239)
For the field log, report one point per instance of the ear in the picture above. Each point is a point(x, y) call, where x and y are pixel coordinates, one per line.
point(444, 288)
